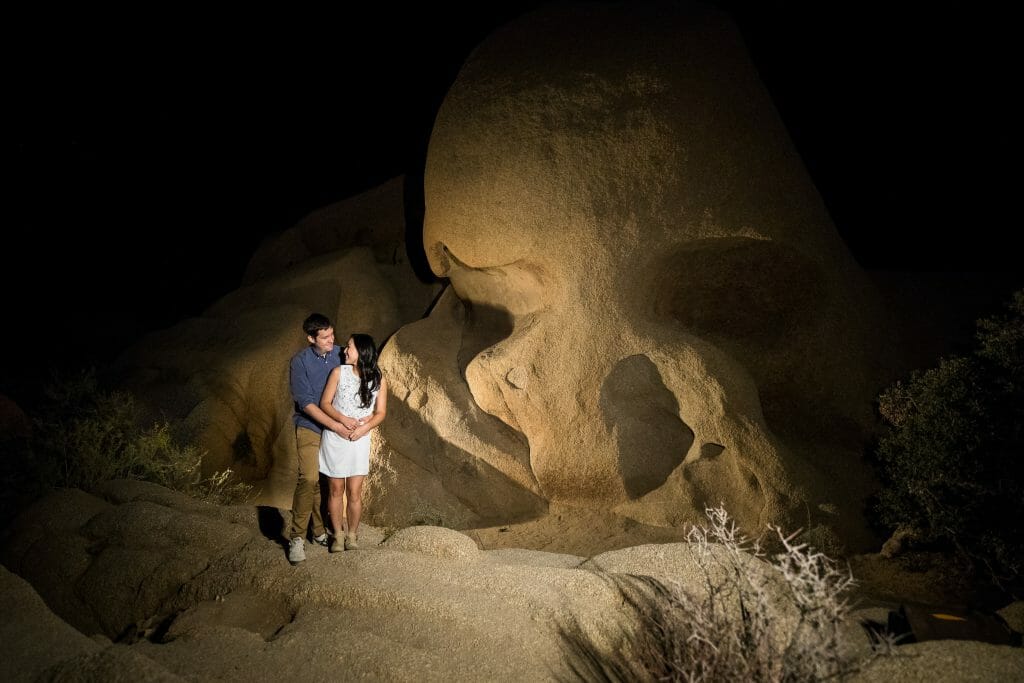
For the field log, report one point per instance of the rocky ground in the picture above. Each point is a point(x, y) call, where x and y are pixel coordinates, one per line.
point(138, 582)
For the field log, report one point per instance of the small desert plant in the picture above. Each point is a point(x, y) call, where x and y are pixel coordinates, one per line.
point(85, 435)
point(952, 458)
point(81, 435)
point(222, 487)
point(754, 617)
point(158, 458)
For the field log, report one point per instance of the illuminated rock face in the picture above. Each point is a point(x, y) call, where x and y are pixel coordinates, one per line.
point(224, 374)
point(654, 310)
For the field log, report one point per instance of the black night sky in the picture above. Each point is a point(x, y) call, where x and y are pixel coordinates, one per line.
point(146, 156)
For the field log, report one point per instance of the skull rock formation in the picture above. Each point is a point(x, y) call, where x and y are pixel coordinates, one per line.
point(654, 309)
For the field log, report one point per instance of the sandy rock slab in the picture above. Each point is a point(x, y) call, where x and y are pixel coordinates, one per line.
point(200, 591)
point(947, 660)
point(39, 646)
point(151, 585)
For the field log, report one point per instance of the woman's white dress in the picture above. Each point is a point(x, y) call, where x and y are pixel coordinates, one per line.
point(340, 457)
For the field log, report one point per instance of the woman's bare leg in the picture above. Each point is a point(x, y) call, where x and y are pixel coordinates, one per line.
point(336, 505)
point(354, 484)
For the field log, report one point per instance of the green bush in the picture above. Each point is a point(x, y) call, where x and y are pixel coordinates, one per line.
point(84, 435)
point(952, 456)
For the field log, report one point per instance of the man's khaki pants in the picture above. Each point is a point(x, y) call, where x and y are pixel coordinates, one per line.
point(306, 501)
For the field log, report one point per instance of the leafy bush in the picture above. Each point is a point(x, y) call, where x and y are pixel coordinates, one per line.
point(84, 435)
point(952, 457)
point(156, 457)
point(755, 618)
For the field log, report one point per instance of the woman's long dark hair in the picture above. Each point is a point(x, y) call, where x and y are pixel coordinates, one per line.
point(369, 373)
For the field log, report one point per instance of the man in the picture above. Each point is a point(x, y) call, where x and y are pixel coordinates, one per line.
point(307, 376)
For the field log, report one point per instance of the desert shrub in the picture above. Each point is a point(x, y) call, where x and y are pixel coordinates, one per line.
point(757, 617)
point(81, 434)
point(1001, 341)
point(158, 458)
point(84, 435)
point(951, 459)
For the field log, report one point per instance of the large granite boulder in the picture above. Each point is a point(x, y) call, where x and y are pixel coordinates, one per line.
point(652, 309)
point(224, 374)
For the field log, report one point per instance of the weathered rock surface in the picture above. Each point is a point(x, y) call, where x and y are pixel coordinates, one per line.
point(947, 660)
point(652, 309)
point(225, 373)
point(195, 591)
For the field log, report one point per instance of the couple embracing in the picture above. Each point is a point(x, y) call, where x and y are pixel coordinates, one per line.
point(340, 395)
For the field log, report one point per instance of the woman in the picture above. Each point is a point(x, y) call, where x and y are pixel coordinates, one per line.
point(356, 396)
